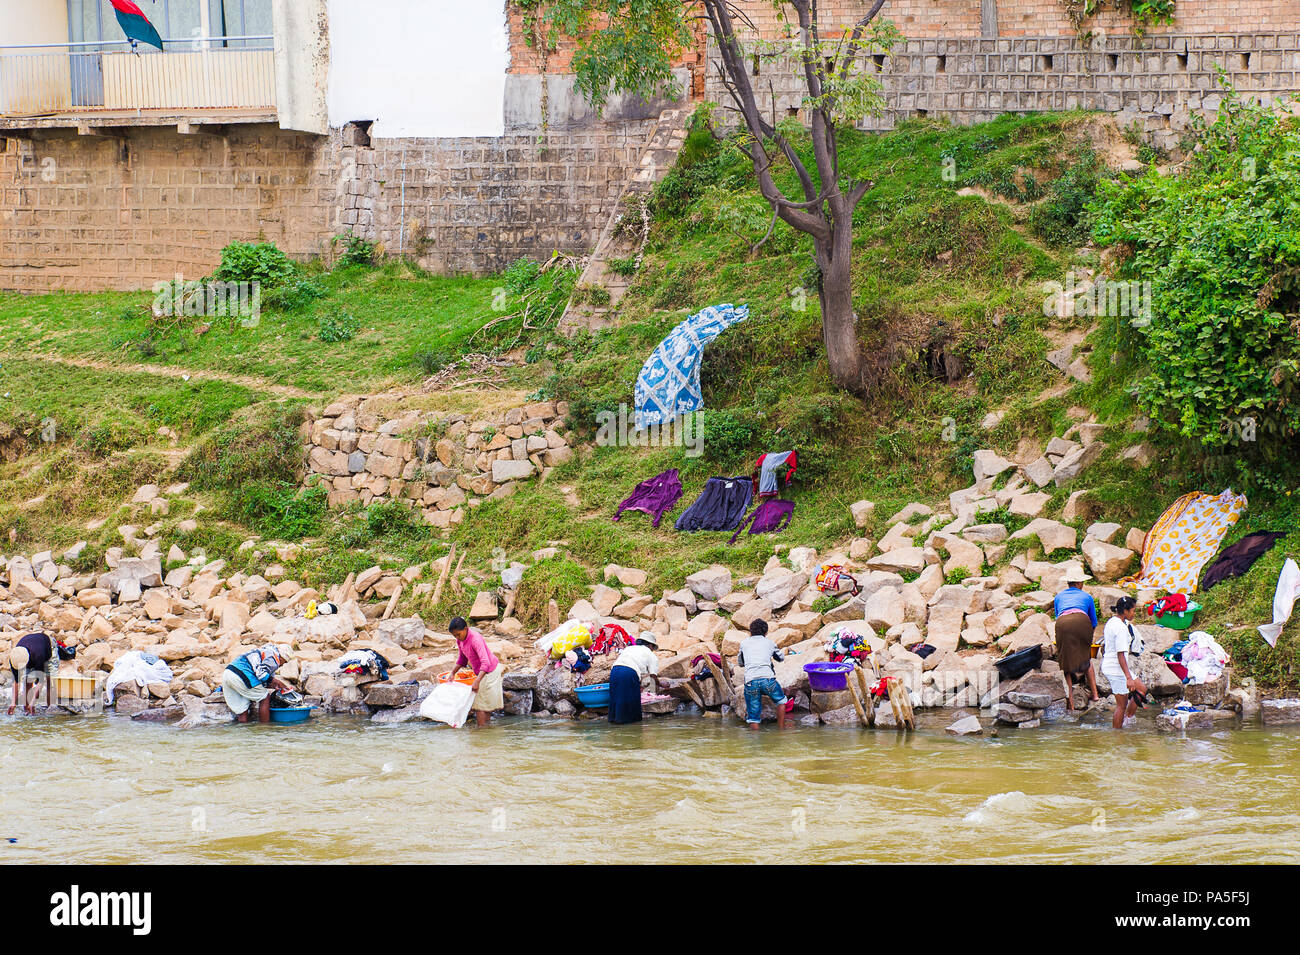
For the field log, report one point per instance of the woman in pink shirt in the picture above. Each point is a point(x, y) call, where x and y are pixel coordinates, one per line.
point(474, 653)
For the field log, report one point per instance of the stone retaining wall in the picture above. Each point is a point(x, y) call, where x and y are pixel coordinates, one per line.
point(436, 461)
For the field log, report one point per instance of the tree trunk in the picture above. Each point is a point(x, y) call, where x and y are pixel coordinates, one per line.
point(839, 322)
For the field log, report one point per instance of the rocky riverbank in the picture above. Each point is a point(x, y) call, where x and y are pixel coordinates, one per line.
point(948, 576)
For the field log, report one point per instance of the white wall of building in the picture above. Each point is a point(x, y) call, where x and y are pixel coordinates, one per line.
point(418, 67)
point(34, 21)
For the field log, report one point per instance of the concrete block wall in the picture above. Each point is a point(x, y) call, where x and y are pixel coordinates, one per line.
point(92, 213)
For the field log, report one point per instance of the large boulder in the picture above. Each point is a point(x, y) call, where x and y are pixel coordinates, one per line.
point(712, 583)
point(779, 587)
point(405, 632)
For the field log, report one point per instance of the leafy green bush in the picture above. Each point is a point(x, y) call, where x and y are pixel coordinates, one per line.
point(254, 262)
point(292, 296)
point(1063, 218)
point(357, 251)
point(728, 436)
point(337, 327)
point(280, 510)
point(1220, 246)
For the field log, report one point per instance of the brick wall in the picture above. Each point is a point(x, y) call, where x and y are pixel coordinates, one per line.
point(1038, 62)
point(84, 212)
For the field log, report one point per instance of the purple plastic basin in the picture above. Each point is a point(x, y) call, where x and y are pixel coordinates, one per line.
point(827, 677)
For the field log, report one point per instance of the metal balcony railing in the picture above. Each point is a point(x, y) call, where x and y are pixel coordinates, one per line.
point(93, 79)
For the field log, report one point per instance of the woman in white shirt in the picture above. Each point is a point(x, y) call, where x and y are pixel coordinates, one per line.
point(633, 666)
point(1117, 643)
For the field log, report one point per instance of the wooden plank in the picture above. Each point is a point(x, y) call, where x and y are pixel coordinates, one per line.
point(868, 699)
point(442, 578)
point(455, 576)
point(857, 699)
point(392, 603)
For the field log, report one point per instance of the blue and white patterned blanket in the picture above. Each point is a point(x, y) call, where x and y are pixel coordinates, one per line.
point(669, 382)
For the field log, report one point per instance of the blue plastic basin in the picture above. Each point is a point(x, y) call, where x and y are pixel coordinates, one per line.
point(290, 714)
point(594, 697)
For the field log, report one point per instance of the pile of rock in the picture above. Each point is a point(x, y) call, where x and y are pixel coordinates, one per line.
point(366, 448)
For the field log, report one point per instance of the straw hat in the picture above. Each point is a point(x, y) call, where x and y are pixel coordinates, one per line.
point(19, 658)
point(1075, 575)
point(284, 653)
point(648, 636)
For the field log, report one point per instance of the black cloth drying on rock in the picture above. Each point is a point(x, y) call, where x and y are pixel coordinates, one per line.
point(1240, 557)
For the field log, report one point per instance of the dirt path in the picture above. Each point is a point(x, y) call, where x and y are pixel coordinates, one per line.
point(166, 371)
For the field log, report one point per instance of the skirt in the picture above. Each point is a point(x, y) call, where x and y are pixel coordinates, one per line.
point(490, 696)
point(1074, 643)
point(624, 695)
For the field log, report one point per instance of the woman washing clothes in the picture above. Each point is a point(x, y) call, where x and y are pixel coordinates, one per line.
point(633, 665)
point(1076, 619)
point(1117, 660)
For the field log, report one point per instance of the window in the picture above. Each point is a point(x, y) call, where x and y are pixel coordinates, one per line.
point(241, 18)
point(93, 21)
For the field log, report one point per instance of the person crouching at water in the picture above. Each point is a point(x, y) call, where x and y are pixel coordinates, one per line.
point(1117, 655)
point(488, 672)
point(757, 651)
point(633, 665)
point(34, 656)
point(247, 682)
point(1076, 618)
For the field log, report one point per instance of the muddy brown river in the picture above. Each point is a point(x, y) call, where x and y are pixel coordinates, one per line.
point(681, 789)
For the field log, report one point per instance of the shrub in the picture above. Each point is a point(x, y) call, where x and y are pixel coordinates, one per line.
point(1218, 246)
point(280, 510)
point(254, 262)
point(1063, 218)
point(293, 296)
point(337, 327)
point(357, 251)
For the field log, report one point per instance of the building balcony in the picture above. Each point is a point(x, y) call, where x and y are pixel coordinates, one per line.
point(219, 81)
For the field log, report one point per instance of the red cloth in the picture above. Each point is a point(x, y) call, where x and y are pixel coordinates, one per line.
point(1174, 603)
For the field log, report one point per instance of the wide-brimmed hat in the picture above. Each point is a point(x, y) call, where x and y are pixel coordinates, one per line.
point(19, 658)
point(283, 652)
point(1076, 575)
point(648, 636)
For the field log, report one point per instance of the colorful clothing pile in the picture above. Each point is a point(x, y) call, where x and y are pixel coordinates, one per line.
point(655, 497)
point(669, 382)
point(363, 661)
point(1198, 659)
point(847, 644)
point(610, 638)
point(1184, 539)
point(1174, 603)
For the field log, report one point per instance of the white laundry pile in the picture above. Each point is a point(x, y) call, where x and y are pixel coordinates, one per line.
point(1284, 598)
point(1203, 658)
point(136, 665)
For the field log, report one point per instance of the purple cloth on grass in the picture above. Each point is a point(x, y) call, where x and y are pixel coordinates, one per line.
point(770, 516)
point(656, 496)
point(720, 506)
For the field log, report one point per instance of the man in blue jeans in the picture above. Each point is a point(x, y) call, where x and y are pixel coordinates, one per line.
point(757, 652)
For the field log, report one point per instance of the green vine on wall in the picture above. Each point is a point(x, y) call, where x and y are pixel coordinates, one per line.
point(538, 38)
point(1145, 13)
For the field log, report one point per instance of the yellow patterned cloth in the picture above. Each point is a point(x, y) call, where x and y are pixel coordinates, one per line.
point(1184, 539)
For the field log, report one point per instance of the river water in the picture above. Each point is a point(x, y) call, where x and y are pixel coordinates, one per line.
point(679, 789)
